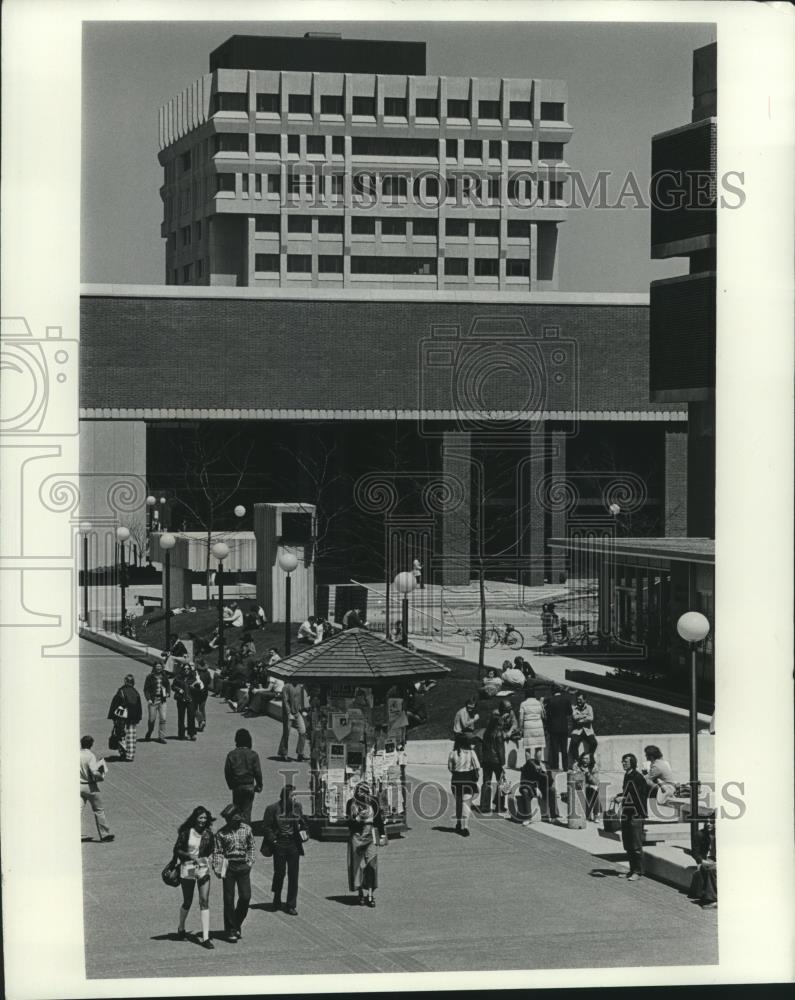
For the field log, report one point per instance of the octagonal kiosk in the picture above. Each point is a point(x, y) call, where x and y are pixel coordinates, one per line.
point(357, 683)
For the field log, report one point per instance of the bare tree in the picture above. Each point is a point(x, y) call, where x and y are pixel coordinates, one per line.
point(136, 525)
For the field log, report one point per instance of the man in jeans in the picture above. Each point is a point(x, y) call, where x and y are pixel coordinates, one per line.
point(243, 773)
point(232, 861)
point(558, 713)
point(292, 715)
point(156, 692)
point(92, 772)
point(634, 799)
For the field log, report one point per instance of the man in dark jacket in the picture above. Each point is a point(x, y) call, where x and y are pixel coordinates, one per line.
point(558, 714)
point(156, 692)
point(292, 715)
point(243, 773)
point(283, 834)
point(634, 800)
point(536, 781)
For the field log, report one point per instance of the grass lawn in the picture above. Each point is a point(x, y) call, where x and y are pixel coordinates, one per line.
point(611, 715)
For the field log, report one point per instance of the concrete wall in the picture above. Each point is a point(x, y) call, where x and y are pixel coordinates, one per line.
point(271, 579)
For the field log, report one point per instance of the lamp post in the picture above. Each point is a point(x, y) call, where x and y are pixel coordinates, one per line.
point(404, 584)
point(693, 627)
point(150, 503)
point(240, 510)
point(287, 562)
point(167, 543)
point(220, 551)
point(122, 534)
point(85, 527)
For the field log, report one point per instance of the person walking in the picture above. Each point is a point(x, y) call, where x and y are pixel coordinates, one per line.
point(92, 772)
point(464, 768)
point(493, 760)
point(292, 716)
point(557, 711)
point(633, 800)
point(284, 832)
point(194, 848)
point(582, 732)
point(531, 724)
point(243, 773)
point(125, 712)
point(233, 859)
point(182, 686)
point(202, 693)
point(366, 834)
point(156, 691)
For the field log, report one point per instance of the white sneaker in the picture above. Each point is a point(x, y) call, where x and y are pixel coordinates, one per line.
point(527, 822)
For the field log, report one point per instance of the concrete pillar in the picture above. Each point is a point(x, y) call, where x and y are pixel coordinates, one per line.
point(274, 533)
point(455, 528)
point(675, 485)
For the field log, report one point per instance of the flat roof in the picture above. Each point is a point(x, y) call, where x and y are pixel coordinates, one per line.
point(701, 550)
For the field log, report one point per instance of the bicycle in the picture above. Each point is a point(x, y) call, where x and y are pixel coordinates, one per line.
point(507, 636)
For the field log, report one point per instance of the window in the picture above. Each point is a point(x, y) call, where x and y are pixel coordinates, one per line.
point(456, 227)
point(229, 142)
point(426, 107)
point(198, 228)
point(274, 184)
point(555, 190)
point(338, 145)
point(517, 267)
point(257, 183)
point(470, 187)
point(489, 110)
point(364, 106)
point(199, 268)
point(451, 149)
point(299, 224)
point(431, 188)
point(172, 241)
point(517, 231)
point(520, 111)
point(364, 184)
point(299, 263)
point(393, 227)
point(458, 108)
point(267, 224)
point(266, 262)
point(299, 104)
point(520, 190)
point(425, 227)
point(456, 266)
point(519, 150)
point(495, 149)
point(449, 188)
point(184, 162)
point(329, 264)
point(228, 102)
point(331, 224)
point(268, 103)
point(394, 186)
point(175, 277)
point(331, 104)
point(362, 227)
point(294, 145)
point(244, 183)
point(393, 265)
point(301, 183)
point(396, 107)
point(489, 228)
point(224, 182)
point(494, 188)
point(316, 145)
point(473, 149)
point(552, 111)
point(268, 143)
point(385, 146)
point(338, 185)
point(187, 272)
point(486, 268)
point(550, 150)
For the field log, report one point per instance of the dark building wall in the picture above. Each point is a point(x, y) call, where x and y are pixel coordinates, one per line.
point(320, 55)
point(361, 355)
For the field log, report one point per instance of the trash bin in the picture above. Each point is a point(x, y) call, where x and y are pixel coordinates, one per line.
point(575, 800)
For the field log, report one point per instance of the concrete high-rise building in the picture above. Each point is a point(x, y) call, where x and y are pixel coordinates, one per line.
point(323, 162)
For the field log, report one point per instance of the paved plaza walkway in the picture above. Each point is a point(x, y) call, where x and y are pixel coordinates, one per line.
point(506, 898)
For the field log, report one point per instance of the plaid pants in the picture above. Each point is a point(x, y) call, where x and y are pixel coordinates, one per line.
point(128, 741)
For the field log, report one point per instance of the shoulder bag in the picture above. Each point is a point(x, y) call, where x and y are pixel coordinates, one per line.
point(170, 873)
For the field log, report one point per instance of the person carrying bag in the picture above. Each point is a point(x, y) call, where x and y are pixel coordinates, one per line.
point(464, 768)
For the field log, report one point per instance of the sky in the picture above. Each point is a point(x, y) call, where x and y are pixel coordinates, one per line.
point(626, 82)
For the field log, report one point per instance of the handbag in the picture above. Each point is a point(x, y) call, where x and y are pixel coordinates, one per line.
point(113, 739)
point(170, 873)
point(611, 821)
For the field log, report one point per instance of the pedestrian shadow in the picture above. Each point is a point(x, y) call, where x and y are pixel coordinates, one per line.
point(603, 873)
point(115, 758)
point(444, 829)
point(344, 900)
point(266, 907)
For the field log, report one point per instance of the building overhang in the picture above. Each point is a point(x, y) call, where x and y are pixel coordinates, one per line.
point(459, 416)
point(691, 550)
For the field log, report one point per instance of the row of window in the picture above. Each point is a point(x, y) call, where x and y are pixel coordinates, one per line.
point(366, 226)
point(473, 149)
point(394, 107)
point(519, 189)
point(298, 263)
point(189, 271)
